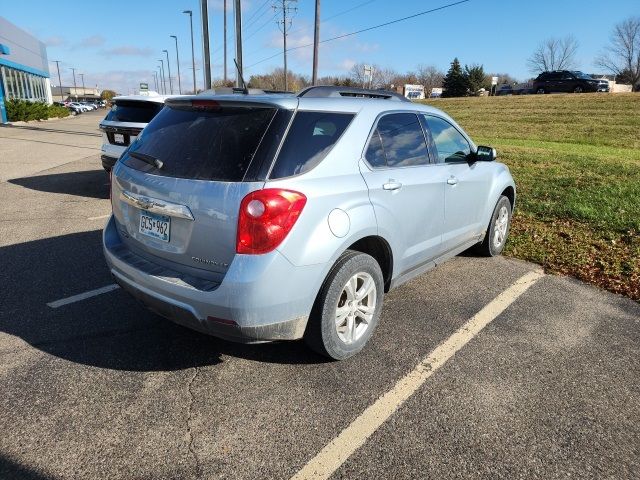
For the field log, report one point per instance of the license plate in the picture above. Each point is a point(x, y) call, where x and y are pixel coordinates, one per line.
point(118, 138)
point(156, 226)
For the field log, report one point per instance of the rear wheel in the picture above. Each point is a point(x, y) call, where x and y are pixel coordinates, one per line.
point(497, 231)
point(578, 89)
point(541, 91)
point(347, 308)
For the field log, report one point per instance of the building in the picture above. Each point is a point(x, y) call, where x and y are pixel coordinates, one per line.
point(24, 68)
point(75, 94)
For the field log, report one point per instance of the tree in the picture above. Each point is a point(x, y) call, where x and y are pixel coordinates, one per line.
point(107, 95)
point(475, 77)
point(455, 83)
point(430, 77)
point(381, 78)
point(623, 52)
point(554, 54)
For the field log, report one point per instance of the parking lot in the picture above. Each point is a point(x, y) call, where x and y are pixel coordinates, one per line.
point(482, 368)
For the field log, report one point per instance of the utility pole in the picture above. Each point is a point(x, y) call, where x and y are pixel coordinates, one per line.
point(155, 80)
point(193, 55)
point(316, 40)
point(224, 8)
point(178, 63)
point(206, 56)
point(75, 88)
point(164, 79)
point(160, 80)
point(57, 62)
point(284, 6)
point(169, 72)
point(238, 14)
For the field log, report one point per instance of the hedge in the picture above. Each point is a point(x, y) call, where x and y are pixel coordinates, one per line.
point(24, 110)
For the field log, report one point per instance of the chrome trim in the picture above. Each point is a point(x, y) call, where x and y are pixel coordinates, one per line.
point(156, 206)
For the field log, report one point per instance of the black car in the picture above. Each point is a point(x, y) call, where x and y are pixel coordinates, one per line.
point(564, 81)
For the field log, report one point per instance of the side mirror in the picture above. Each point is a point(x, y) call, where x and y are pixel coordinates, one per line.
point(486, 154)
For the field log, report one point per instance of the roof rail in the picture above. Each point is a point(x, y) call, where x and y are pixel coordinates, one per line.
point(231, 90)
point(337, 92)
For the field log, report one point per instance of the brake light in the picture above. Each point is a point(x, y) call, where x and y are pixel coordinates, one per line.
point(266, 218)
point(205, 104)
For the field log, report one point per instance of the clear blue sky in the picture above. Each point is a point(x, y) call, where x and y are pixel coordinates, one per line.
point(116, 43)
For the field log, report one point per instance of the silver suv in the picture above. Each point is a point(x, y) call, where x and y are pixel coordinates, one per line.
point(280, 217)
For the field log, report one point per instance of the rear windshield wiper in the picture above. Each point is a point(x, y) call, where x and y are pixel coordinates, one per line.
point(156, 162)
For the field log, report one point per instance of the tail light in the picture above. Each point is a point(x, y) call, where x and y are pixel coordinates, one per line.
point(266, 218)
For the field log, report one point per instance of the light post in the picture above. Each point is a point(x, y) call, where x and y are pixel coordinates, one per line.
point(84, 94)
point(75, 88)
point(160, 80)
point(155, 80)
point(177, 63)
point(57, 62)
point(193, 55)
point(169, 71)
point(164, 79)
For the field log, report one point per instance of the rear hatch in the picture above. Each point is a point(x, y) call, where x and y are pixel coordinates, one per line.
point(126, 119)
point(176, 192)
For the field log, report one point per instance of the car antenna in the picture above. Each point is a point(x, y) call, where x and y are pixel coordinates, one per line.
point(245, 90)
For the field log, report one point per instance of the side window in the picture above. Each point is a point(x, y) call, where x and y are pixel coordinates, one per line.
point(311, 136)
point(450, 145)
point(398, 141)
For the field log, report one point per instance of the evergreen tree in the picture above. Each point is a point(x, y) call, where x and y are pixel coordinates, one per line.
point(455, 83)
point(476, 79)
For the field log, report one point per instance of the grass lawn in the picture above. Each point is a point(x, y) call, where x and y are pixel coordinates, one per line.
point(576, 163)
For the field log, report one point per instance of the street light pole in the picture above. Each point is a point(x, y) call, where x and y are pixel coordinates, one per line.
point(225, 42)
point(238, 12)
point(84, 93)
point(206, 55)
point(75, 89)
point(160, 80)
point(169, 71)
point(155, 80)
point(316, 40)
point(193, 55)
point(164, 79)
point(57, 62)
point(177, 63)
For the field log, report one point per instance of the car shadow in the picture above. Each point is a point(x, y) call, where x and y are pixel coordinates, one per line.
point(110, 330)
point(11, 470)
point(88, 183)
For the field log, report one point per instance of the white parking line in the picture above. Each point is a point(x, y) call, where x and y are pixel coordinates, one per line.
point(332, 456)
point(83, 296)
point(99, 217)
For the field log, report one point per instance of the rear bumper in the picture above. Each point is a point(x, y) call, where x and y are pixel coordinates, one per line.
point(261, 297)
point(108, 162)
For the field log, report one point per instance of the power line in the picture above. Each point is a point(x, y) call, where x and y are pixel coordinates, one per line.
point(364, 30)
point(339, 13)
point(254, 18)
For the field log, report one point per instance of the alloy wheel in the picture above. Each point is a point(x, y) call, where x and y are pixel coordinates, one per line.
point(355, 308)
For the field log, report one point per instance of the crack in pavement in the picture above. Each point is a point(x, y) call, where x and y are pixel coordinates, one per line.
point(189, 417)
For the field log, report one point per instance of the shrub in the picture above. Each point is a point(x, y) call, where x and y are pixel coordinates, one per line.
point(24, 110)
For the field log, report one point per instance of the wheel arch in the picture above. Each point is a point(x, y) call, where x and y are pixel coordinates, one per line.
point(380, 250)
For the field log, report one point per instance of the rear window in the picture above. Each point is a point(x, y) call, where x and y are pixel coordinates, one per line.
point(202, 144)
point(311, 136)
point(133, 111)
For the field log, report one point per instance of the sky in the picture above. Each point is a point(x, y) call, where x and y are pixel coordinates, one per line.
point(117, 43)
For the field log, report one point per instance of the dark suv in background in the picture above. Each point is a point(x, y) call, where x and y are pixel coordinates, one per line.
point(564, 81)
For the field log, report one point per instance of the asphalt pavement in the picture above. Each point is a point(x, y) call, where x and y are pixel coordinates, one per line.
point(101, 388)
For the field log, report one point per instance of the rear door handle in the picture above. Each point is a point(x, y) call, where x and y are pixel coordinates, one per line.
point(452, 180)
point(392, 185)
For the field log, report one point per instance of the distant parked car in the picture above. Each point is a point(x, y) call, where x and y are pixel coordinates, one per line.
point(80, 106)
point(565, 81)
point(75, 109)
point(603, 85)
point(124, 122)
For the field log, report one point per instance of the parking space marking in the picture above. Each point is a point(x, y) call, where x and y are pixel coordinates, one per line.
point(336, 452)
point(100, 217)
point(83, 296)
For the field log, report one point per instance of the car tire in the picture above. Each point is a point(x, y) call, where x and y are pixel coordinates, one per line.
point(340, 335)
point(498, 229)
point(541, 91)
point(578, 89)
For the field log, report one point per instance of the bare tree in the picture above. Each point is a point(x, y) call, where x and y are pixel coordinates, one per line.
point(431, 77)
point(381, 78)
point(554, 54)
point(623, 52)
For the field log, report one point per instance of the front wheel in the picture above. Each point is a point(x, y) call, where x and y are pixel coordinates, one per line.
point(347, 308)
point(578, 89)
point(498, 230)
point(541, 91)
